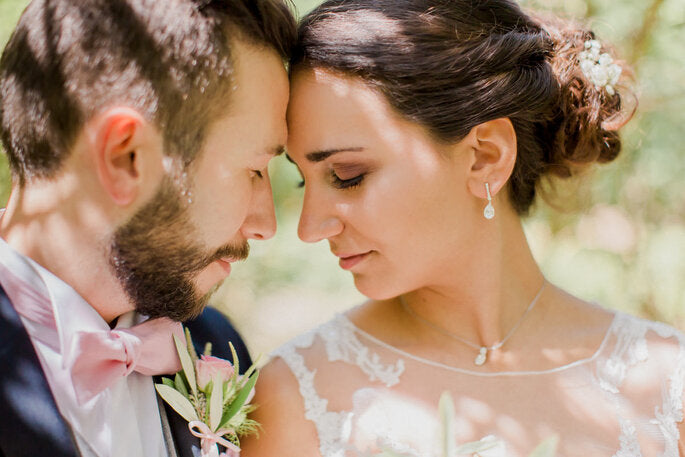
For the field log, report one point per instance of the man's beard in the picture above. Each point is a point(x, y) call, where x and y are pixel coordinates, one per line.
point(156, 259)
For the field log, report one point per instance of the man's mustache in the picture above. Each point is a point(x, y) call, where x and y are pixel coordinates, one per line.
point(230, 251)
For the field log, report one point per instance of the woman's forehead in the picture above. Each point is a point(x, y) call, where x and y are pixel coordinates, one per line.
point(323, 94)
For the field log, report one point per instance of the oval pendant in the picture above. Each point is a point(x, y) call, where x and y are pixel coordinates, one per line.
point(481, 357)
point(489, 211)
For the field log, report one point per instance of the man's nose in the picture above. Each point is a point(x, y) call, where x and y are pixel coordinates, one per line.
point(260, 223)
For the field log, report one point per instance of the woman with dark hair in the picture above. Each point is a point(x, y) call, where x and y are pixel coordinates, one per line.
point(422, 130)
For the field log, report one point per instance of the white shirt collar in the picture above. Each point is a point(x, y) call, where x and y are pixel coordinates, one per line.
point(111, 423)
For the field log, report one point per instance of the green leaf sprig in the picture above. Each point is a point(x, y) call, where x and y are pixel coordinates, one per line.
point(221, 405)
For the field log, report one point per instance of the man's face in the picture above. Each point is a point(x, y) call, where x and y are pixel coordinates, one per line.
point(172, 254)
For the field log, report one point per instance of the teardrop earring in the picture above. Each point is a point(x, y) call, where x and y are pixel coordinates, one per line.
point(489, 211)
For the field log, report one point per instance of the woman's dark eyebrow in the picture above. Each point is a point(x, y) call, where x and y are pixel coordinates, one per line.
point(319, 156)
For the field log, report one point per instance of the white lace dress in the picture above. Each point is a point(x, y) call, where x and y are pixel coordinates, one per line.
point(623, 401)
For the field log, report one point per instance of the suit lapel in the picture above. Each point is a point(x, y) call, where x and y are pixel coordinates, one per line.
point(186, 445)
point(166, 429)
point(30, 423)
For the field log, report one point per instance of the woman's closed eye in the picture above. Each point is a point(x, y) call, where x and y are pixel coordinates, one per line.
point(343, 176)
point(347, 176)
point(340, 183)
point(346, 183)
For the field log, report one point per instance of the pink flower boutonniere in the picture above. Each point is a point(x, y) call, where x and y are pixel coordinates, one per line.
point(215, 400)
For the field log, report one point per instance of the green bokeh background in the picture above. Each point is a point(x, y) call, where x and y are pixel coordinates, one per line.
point(615, 236)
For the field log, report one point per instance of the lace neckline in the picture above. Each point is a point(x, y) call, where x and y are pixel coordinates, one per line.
point(344, 320)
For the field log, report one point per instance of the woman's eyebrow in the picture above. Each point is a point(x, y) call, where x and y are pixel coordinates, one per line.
point(318, 156)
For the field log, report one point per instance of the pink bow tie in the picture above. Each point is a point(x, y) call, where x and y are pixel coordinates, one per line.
point(98, 359)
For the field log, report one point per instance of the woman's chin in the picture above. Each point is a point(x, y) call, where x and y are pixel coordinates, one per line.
point(376, 289)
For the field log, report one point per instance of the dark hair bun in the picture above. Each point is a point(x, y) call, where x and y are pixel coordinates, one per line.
point(451, 65)
point(589, 115)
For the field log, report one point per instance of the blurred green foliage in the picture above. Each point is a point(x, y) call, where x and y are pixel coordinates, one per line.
point(615, 236)
point(626, 247)
point(9, 13)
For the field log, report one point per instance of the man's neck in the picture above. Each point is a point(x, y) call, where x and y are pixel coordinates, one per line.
point(65, 242)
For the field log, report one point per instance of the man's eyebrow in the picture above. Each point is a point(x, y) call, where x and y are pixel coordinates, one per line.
point(319, 156)
point(277, 150)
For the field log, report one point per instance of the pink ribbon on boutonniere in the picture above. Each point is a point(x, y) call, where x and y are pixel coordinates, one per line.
point(209, 439)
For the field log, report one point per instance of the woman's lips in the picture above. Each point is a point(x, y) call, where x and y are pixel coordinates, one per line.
point(348, 262)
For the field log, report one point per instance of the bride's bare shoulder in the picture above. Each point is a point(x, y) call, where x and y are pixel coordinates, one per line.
point(284, 429)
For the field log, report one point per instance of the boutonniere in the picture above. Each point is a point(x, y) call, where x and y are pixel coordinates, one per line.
point(213, 397)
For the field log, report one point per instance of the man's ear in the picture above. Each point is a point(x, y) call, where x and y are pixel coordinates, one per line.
point(493, 146)
point(125, 148)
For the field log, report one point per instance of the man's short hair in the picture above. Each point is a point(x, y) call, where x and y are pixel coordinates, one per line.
point(67, 60)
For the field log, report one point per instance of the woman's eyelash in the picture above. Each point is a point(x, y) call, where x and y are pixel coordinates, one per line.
point(347, 183)
point(258, 173)
point(341, 183)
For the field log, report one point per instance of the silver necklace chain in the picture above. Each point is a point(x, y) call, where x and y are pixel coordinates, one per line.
point(482, 356)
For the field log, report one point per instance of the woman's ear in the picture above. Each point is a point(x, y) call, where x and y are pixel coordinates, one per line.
point(127, 153)
point(493, 146)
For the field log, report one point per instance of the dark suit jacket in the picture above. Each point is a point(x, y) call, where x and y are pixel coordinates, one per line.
point(31, 425)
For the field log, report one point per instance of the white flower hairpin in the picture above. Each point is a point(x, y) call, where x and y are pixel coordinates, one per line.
point(598, 67)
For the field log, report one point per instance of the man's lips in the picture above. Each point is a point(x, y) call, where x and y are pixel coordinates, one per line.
point(348, 261)
point(225, 264)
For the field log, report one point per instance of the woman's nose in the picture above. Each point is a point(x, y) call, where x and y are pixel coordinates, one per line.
point(318, 220)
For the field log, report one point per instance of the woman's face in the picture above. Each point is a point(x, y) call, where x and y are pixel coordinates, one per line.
point(392, 203)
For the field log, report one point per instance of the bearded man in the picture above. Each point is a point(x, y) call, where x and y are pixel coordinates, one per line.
point(138, 133)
